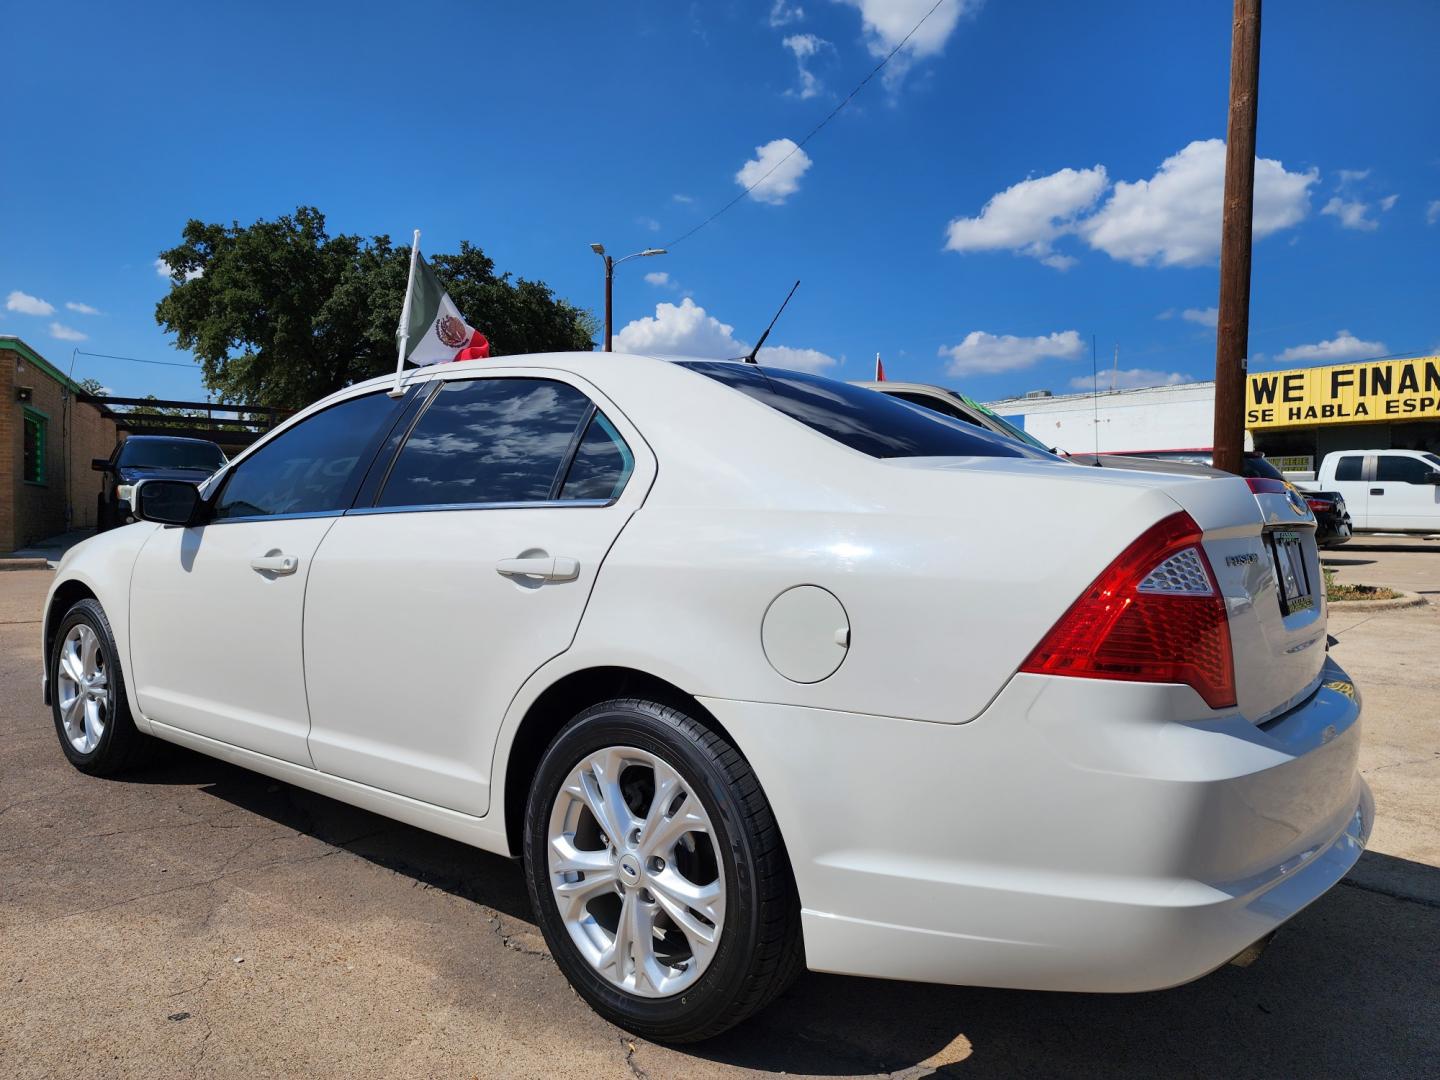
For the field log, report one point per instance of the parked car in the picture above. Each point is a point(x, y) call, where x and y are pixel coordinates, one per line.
point(754, 669)
point(1386, 490)
point(1332, 517)
point(149, 457)
point(956, 405)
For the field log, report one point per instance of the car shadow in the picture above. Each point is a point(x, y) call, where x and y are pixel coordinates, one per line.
point(1351, 986)
point(1332, 560)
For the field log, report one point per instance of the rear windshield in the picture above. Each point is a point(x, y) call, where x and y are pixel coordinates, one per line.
point(870, 422)
point(165, 454)
point(1259, 466)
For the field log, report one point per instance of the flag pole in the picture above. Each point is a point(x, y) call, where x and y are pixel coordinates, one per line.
point(404, 328)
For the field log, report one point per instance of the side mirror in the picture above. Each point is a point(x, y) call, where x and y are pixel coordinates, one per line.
point(168, 502)
point(100, 464)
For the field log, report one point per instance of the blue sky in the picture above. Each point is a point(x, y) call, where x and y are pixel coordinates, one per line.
point(1023, 176)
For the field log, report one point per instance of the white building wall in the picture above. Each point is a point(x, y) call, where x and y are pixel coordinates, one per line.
point(1156, 418)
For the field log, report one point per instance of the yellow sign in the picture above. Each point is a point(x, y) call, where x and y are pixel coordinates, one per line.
point(1381, 390)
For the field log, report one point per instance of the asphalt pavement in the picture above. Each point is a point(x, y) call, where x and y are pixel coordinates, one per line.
point(194, 919)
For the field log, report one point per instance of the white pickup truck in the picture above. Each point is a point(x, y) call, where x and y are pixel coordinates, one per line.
point(1385, 490)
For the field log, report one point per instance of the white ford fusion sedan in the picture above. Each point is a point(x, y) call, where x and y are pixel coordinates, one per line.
point(754, 670)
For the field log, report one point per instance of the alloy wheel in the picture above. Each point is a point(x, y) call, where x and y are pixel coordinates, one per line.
point(635, 871)
point(83, 688)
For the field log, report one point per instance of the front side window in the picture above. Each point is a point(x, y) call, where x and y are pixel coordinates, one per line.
point(36, 430)
point(1402, 470)
point(488, 441)
point(874, 424)
point(1348, 469)
point(308, 468)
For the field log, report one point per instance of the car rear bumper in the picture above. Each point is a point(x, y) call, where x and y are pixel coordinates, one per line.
point(1076, 836)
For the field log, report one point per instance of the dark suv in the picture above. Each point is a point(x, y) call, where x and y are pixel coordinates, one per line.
point(149, 457)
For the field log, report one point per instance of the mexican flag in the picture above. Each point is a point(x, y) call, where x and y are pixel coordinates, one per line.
point(432, 330)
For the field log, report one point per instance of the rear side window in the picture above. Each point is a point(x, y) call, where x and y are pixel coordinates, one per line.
point(927, 402)
point(1402, 470)
point(874, 424)
point(488, 441)
point(1259, 466)
point(602, 463)
point(1349, 468)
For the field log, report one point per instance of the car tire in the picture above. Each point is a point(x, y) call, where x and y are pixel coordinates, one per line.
point(87, 694)
point(711, 975)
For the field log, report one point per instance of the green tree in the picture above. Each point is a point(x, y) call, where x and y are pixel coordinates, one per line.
point(93, 387)
point(282, 313)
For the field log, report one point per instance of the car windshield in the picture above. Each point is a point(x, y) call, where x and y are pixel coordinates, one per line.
point(874, 424)
point(171, 454)
point(1010, 429)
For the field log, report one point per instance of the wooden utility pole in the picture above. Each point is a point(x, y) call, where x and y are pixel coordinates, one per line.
point(1232, 335)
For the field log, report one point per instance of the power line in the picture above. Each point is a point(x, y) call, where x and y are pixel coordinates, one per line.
point(134, 359)
point(813, 131)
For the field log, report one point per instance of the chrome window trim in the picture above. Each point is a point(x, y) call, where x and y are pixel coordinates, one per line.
point(537, 504)
point(268, 517)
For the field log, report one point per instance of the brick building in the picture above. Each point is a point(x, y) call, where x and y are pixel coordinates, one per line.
point(47, 440)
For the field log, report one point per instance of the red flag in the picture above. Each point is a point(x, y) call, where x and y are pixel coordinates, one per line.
point(477, 349)
point(879, 369)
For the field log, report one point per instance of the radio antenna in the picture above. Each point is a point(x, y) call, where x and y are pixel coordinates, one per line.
point(750, 359)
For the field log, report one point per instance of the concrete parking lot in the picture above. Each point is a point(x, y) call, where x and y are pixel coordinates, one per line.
point(194, 919)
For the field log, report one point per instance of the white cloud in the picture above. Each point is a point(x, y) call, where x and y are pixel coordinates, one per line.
point(1353, 213)
point(648, 223)
point(804, 46)
point(1432, 212)
point(1204, 316)
point(1343, 346)
point(983, 354)
point(1028, 216)
point(680, 198)
point(1352, 176)
point(26, 304)
point(775, 171)
point(686, 329)
point(1129, 379)
point(81, 309)
point(162, 268)
point(783, 14)
point(1388, 202)
point(886, 22)
point(61, 332)
point(658, 277)
point(1173, 218)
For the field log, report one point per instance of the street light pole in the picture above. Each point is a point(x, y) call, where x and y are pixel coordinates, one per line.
point(1232, 332)
point(610, 264)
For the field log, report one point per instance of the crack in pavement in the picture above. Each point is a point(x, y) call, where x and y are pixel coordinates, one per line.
point(628, 1045)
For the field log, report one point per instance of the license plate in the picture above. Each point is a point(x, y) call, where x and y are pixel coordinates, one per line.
point(1288, 555)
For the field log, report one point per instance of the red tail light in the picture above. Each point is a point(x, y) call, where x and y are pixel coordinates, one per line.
point(1263, 485)
point(1320, 506)
point(1154, 615)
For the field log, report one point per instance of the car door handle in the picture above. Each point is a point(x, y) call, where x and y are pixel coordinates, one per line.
point(544, 567)
point(275, 564)
point(1377, 491)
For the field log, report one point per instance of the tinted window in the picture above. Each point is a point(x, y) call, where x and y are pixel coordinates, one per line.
point(487, 441)
point(1349, 468)
point(307, 468)
point(171, 454)
point(1402, 470)
point(1259, 466)
point(927, 402)
point(602, 463)
point(863, 420)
